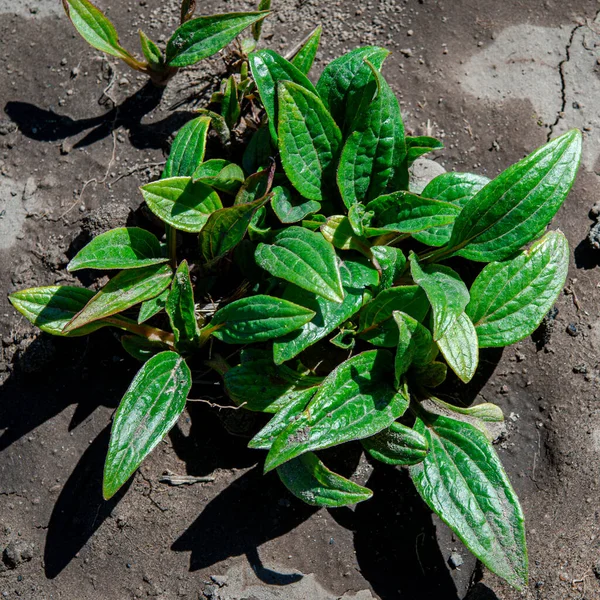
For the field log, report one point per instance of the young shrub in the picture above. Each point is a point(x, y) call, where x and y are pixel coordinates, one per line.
point(324, 278)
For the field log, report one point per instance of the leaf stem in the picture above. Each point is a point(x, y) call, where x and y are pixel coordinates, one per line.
point(151, 333)
point(172, 245)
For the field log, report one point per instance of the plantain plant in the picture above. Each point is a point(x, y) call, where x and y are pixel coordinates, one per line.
point(301, 268)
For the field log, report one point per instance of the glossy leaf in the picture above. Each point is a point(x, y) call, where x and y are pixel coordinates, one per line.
point(415, 344)
point(463, 482)
point(309, 140)
point(152, 307)
point(509, 299)
point(287, 210)
point(459, 347)
point(268, 69)
point(338, 231)
point(226, 228)
point(123, 291)
point(50, 308)
point(230, 106)
point(96, 29)
point(310, 480)
point(456, 188)
point(373, 153)
point(151, 51)
point(328, 315)
point(258, 152)
point(181, 203)
point(508, 212)
point(305, 57)
point(188, 149)
point(354, 401)
point(202, 37)
point(122, 248)
point(257, 319)
point(391, 261)
point(445, 290)
point(304, 258)
point(141, 348)
point(220, 174)
point(376, 323)
point(254, 187)
point(345, 86)
point(397, 445)
point(257, 27)
point(181, 307)
point(403, 212)
point(487, 412)
point(148, 410)
point(418, 146)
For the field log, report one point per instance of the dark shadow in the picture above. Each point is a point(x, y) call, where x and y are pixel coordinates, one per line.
point(80, 508)
point(395, 540)
point(47, 126)
point(586, 256)
point(269, 576)
point(481, 592)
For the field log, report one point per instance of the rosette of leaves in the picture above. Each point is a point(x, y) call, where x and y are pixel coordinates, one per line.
point(327, 282)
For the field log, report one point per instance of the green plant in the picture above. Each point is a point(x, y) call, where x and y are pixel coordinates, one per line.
point(195, 39)
point(323, 279)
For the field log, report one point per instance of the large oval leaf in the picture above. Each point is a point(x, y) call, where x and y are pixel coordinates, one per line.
point(311, 481)
point(188, 148)
point(268, 69)
point(509, 299)
point(257, 319)
point(202, 37)
point(122, 248)
point(149, 409)
point(123, 291)
point(459, 347)
point(354, 401)
point(513, 208)
point(309, 140)
point(181, 203)
point(304, 258)
point(463, 482)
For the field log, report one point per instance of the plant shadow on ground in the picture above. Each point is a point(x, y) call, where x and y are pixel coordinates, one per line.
point(48, 126)
point(394, 536)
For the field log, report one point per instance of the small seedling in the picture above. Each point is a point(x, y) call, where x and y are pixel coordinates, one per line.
point(333, 288)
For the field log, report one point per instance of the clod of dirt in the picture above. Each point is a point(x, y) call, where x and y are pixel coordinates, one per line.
point(455, 560)
point(105, 217)
point(422, 171)
point(17, 552)
point(594, 236)
point(572, 330)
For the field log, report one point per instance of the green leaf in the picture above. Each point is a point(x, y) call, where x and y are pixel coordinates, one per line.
point(305, 57)
point(296, 403)
point(148, 410)
point(264, 387)
point(257, 27)
point(268, 69)
point(309, 140)
point(122, 248)
point(345, 86)
point(220, 174)
point(258, 152)
point(459, 347)
point(376, 323)
point(513, 208)
point(432, 375)
point(230, 107)
point(181, 203)
point(445, 290)
point(226, 228)
point(328, 315)
point(415, 344)
point(257, 319)
point(392, 263)
point(180, 307)
point(359, 219)
point(202, 37)
point(509, 299)
point(353, 402)
point(289, 212)
point(304, 258)
point(397, 445)
point(456, 188)
point(486, 412)
point(188, 148)
point(141, 348)
point(96, 29)
point(404, 212)
point(51, 308)
point(188, 8)
point(463, 482)
point(418, 146)
point(338, 231)
point(123, 291)
point(152, 307)
point(310, 480)
point(151, 51)
point(254, 187)
point(373, 154)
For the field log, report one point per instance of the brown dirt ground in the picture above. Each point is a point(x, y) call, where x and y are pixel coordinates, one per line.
point(60, 133)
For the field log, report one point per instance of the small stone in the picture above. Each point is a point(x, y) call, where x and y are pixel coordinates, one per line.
point(595, 210)
point(581, 368)
point(406, 52)
point(455, 560)
point(572, 330)
point(220, 580)
point(123, 81)
point(63, 62)
point(410, 32)
point(17, 552)
point(519, 356)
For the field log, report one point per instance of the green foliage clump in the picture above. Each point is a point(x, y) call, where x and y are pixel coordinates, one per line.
point(335, 290)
